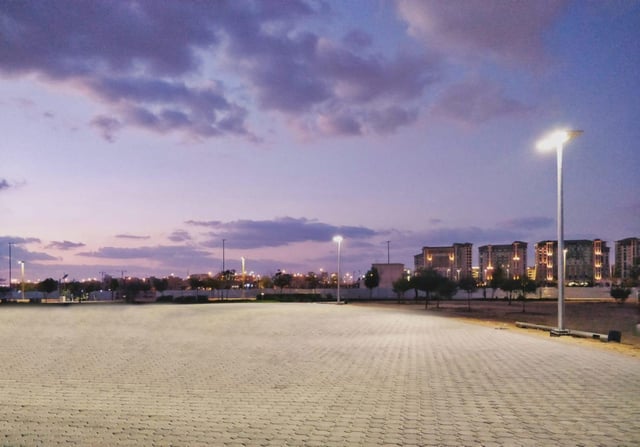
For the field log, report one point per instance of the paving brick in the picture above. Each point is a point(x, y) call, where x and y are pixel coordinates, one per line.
point(301, 375)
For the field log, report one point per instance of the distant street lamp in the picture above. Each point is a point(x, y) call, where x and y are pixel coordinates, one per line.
point(388, 254)
point(338, 240)
point(556, 140)
point(10, 288)
point(223, 256)
point(22, 276)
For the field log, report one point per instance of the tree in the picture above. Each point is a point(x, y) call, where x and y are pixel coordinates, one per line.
point(496, 280)
point(114, 285)
point(428, 280)
point(312, 280)
point(414, 283)
point(447, 288)
point(509, 285)
point(469, 285)
point(160, 284)
point(401, 285)
point(48, 285)
point(265, 282)
point(211, 283)
point(620, 294)
point(195, 283)
point(526, 285)
point(226, 278)
point(372, 280)
point(282, 280)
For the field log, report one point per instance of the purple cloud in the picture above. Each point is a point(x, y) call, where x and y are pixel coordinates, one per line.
point(19, 251)
point(70, 38)
point(135, 57)
point(277, 232)
point(131, 236)
point(342, 124)
point(179, 236)
point(476, 102)
point(510, 32)
point(389, 119)
point(160, 252)
point(64, 245)
point(108, 126)
point(4, 184)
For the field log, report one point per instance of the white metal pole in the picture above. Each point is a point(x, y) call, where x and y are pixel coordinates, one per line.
point(339, 243)
point(560, 252)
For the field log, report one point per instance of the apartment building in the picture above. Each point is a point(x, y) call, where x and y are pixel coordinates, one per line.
point(587, 261)
point(510, 258)
point(453, 262)
point(627, 254)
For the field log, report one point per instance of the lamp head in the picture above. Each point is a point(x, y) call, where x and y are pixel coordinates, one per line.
point(337, 239)
point(557, 138)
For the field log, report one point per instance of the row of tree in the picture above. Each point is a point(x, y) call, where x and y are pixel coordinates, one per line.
point(436, 286)
point(430, 281)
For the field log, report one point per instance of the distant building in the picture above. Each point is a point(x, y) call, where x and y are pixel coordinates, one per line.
point(531, 273)
point(452, 262)
point(388, 274)
point(587, 261)
point(510, 258)
point(627, 254)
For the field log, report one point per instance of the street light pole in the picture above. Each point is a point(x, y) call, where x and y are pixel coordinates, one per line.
point(10, 287)
point(223, 255)
point(388, 254)
point(338, 240)
point(22, 276)
point(556, 141)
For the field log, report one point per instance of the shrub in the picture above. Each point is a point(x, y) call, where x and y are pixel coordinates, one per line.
point(620, 294)
point(291, 297)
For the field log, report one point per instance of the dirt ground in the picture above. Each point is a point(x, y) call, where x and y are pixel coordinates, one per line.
point(589, 316)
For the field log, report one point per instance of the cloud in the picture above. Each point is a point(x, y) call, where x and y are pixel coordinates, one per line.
point(179, 236)
point(19, 250)
point(64, 245)
point(4, 184)
point(277, 232)
point(141, 60)
point(159, 252)
point(131, 236)
point(343, 124)
point(389, 119)
point(509, 32)
point(107, 125)
point(165, 106)
point(477, 101)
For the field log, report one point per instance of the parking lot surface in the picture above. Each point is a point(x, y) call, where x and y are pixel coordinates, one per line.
point(301, 375)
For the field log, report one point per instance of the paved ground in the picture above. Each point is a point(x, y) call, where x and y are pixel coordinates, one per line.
point(301, 375)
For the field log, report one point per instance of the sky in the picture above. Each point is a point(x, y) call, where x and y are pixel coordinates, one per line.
point(139, 138)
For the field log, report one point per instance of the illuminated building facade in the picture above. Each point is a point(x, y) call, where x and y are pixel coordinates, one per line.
point(452, 262)
point(510, 258)
point(627, 254)
point(587, 262)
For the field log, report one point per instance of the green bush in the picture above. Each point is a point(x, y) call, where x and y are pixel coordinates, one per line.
point(620, 294)
point(293, 297)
